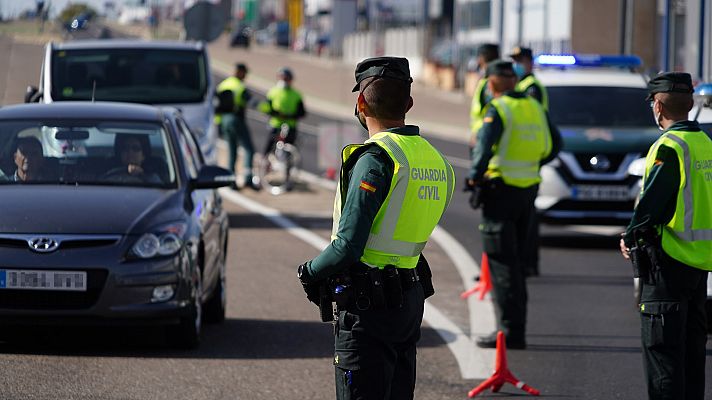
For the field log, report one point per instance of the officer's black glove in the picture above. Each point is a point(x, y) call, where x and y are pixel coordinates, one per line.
point(310, 288)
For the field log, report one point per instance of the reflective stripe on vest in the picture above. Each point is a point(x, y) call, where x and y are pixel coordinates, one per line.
point(421, 189)
point(688, 236)
point(529, 81)
point(526, 140)
point(477, 108)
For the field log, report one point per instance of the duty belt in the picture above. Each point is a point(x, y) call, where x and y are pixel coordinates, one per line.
point(366, 288)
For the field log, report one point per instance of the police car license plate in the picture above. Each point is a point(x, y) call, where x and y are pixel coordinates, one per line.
point(601, 192)
point(43, 280)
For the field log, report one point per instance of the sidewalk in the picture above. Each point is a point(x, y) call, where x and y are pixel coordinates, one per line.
point(326, 85)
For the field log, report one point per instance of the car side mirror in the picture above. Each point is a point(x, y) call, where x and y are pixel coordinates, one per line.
point(212, 177)
point(32, 94)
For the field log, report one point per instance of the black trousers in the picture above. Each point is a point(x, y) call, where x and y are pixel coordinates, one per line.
point(507, 215)
point(673, 330)
point(374, 350)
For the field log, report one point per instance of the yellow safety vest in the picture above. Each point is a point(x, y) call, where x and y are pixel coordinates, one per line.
point(285, 101)
point(526, 83)
point(420, 191)
point(477, 109)
point(687, 237)
point(526, 140)
point(238, 88)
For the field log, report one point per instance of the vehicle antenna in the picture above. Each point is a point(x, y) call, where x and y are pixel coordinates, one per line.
point(93, 90)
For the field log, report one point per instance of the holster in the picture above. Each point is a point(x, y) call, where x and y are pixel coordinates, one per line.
point(645, 256)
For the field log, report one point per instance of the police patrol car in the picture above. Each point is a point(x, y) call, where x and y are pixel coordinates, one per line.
point(598, 104)
point(703, 114)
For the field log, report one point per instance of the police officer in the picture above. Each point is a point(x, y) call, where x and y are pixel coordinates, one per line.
point(674, 219)
point(232, 123)
point(529, 85)
point(486, 53)
point(284, 105)
point(523, 66)
point(393, 190)
point(516, 138)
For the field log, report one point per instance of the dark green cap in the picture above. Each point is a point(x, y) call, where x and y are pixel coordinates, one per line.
point(500, 68)
point(670, 82)
point(384, 67)
point(521, 52)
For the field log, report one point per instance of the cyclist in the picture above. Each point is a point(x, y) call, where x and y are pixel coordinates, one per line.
point(285, 106)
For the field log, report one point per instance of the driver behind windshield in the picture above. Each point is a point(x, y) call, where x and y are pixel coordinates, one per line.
point(131, 152)
point(28, 160)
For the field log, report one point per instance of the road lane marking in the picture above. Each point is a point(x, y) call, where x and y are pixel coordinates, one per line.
point(474, 363)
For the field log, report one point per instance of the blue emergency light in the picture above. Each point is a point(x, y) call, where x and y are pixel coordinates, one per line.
point(587, 60)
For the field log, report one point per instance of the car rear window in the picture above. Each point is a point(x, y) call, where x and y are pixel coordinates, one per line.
point(149, 76)
point(599, 106)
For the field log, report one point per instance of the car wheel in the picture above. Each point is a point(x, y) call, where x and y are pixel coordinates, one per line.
point(187, 334)
point(215, 307)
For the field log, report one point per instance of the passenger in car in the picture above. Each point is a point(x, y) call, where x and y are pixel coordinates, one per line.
point(29, 161)
point(131, 152)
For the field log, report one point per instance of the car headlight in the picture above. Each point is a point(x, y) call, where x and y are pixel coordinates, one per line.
point(164, 241)
point(637, 167)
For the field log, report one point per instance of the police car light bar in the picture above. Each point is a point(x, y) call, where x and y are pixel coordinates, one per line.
point(587, 60)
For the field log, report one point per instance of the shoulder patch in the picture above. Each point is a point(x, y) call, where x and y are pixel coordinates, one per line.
point(367, 187)
point(488, 119)
point(658, 162)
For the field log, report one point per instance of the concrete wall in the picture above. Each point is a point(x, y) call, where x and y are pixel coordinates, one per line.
point(595, 26)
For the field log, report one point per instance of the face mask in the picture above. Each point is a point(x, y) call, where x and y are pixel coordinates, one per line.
point(519, 70)
point(282, 84)
point(657, 120)
point(361, 120)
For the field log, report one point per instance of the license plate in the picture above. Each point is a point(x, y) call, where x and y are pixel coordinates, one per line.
point(601, 192)
point(43, 280)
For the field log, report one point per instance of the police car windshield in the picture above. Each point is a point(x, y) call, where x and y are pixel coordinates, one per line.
point(599, 106)
point(149, 76)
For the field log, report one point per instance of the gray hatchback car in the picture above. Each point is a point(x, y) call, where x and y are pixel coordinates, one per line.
point(109, 216)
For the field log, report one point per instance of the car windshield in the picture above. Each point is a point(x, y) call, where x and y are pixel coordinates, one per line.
point(149, 76)
point(85, 153)
point(588, 106)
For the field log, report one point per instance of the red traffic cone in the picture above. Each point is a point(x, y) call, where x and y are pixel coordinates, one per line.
point(330, 173)
point(485, 283)
point(501, 373)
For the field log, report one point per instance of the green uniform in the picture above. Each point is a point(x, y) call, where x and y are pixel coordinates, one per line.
point(514, 141)
point(673, 320)
point(531, 86)
point(233, 125)
point(381, 191)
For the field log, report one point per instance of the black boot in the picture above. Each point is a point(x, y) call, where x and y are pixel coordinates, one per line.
point(515, 342)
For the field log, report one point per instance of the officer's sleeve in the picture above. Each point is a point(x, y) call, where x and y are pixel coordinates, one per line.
point(301, 112)
point(534, 92)
point(369, 183)
point(556, 141)
point(659, 198)
point(489, 134)
point(246, 96)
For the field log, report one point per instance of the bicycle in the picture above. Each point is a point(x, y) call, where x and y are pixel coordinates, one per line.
point(279, 167)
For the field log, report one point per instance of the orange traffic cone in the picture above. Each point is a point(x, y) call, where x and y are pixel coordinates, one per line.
point(485, 283)
point(330, 173)
point(501, 373)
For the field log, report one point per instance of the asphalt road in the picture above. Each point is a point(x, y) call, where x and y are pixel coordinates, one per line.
point(583, 331)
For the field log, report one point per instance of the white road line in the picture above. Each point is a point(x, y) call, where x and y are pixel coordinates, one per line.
point(474, 363)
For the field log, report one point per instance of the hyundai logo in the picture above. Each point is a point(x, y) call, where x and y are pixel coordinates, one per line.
point(600, 163)
point(43, 244)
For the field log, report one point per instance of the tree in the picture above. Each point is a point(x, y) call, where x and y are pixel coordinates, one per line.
point(73, 10)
